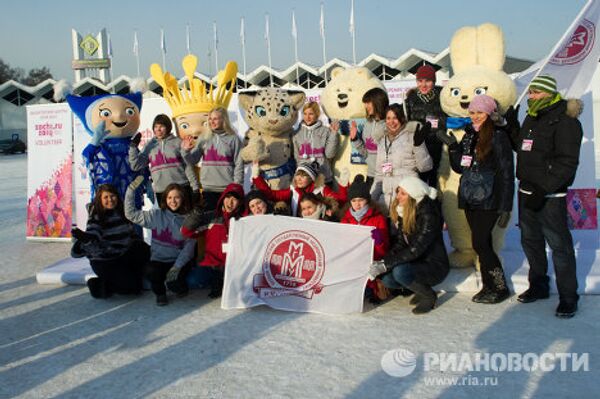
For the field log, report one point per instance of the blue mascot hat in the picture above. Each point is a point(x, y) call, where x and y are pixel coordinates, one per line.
point(82, 106)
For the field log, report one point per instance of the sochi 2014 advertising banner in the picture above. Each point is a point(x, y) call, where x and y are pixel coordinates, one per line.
point(49, 177)
point(296, 264)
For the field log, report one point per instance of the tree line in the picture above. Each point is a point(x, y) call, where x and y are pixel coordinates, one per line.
point(31, 78)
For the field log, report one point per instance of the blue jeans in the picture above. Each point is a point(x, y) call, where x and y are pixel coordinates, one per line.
point(549, 224)
point(201, 277)
point(401, 276)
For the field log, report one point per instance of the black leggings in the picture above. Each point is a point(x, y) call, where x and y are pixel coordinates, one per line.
point(482, 223)
point(157, 271)
point(123, 275)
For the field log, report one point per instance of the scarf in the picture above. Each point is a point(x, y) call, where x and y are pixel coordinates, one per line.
point(314, 126)
point(534, 106)
point(426, 98)
point(358, 215)
point(457, 123)
point(318, 214)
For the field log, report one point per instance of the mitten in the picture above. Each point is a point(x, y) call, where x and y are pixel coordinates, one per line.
point(421, 134)
point(99, 134)
point(136, 183)
point(136, 139)
point(376, 268)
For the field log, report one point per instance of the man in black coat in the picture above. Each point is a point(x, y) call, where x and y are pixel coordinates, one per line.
point(547, 147)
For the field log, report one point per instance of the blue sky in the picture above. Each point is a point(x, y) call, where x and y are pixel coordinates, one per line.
point(38, 33)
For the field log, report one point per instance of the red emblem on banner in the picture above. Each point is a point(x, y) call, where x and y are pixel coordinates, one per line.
point(293, 264)
point(579, 45)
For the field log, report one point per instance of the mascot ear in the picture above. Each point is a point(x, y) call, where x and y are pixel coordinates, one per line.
point(490, 46)
point(246, 99)
point(336, 71)
point(463, 49)
point(297, 98)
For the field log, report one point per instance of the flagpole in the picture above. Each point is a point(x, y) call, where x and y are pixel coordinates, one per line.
point(295, 36)
point(556, 46)
point(353, 32)
point(268, 39)
point(136, 51)
point(216, 44)
point(322, 30)
point(243, 41)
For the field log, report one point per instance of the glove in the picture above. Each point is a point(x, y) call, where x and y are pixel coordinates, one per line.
point(99, 134)
point(377, 236)
point(136, 183)
point(344, 177)
point(82, 235)
point(334, 126)
point(135, 140)
point(534, 201)
point(422, 132)
point(503, 219)
point(172, 274)
point(512, 119)
point(376, 268)
point(255, 170)
point(447, 138)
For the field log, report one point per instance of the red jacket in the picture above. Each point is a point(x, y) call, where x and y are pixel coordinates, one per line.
point(381, 234)
point(218, 230)
point(293, 195)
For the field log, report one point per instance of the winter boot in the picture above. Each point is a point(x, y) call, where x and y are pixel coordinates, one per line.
point(495, 289)
point(97, 288)
point(426, 297)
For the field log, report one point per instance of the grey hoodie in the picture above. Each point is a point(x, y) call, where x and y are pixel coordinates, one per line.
point(221, 160)
point(168, 245)
point(318, 143)
point(167, 164)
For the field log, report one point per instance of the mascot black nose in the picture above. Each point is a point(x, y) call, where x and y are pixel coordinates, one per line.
point(464, 97)
point(342, 96)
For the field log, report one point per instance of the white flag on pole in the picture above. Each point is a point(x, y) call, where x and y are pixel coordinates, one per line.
point(351, 29)
point(136, 44)
point(296, 264)
point(267, 33)
point(163, 42)
point(294, 29)
point(188, 44)
point(215, 35)
point(574, 59)
point(109, 50)
point(322, 23)
point(242, 32)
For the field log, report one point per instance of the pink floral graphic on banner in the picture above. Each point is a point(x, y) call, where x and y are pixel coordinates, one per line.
point(49, 209)
point(581, 209)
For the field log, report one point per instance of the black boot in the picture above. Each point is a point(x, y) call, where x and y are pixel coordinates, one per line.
point(426, 297)
point(494, 289)
point(97, 288)
point(532, 295)
point(566, 309)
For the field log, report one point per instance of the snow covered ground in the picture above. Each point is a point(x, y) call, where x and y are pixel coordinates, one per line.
point(58, 341)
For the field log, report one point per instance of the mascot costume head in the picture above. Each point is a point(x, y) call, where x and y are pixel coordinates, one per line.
point(192, 103)
point(477, 56)
point(111, 120)
point(342, 101)
point(271, 114)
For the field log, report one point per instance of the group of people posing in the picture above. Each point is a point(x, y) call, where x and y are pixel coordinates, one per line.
point(402, 146)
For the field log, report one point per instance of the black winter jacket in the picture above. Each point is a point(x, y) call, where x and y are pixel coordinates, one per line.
point(500, 160)
point(424, 248)
point(419, 111)
point(554, 156)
